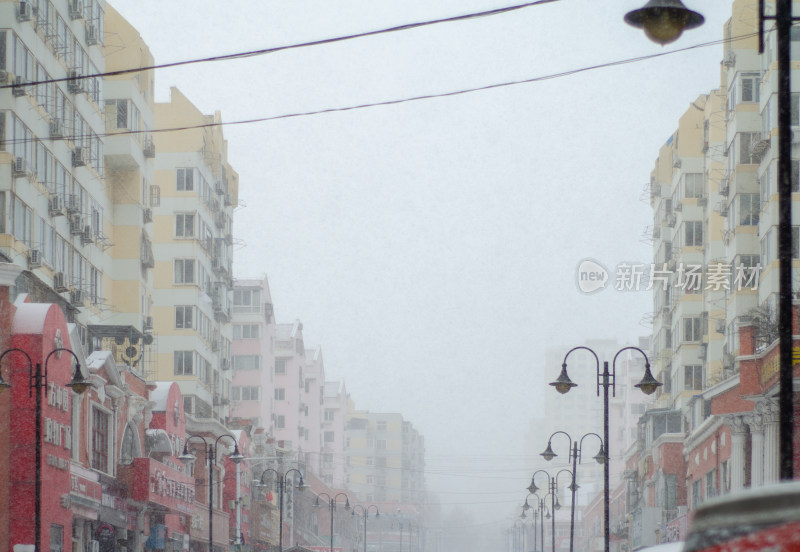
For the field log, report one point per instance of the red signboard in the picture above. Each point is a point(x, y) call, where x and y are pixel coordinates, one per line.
point(152, 481)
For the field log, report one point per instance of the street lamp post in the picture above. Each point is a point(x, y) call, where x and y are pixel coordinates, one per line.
point(537, 510)
point(365, 511)
point(332, 506)
point(281, 482)
point(210, 450)
point(606, 380)
point(684, 18)
point(38, 381)
point(554, 505)
point(576, 447)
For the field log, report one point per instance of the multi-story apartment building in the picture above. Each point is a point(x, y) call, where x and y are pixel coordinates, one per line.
point(312, 408)
point(333, 471)
point(385, 458)
point(55, 204)
point(289, 385)
point(253, 354)
point(714, 195)
point(192, 198)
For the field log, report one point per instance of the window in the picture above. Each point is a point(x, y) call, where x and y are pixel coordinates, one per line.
point(693, 377)
point(184, 225)
point(184, 271)
point(711, 484)
point(280, 422)
point(693, 233)
point(116, 114)
point(245, 331)
point(329, 414)
point(746, 141)
point(749, 209)
point(381, 425)
point(327, 459)
point(280, 394)
point(691, 329)
point(380, 462)
point(693, 185)
point(329, 436)
point(183, 317)
point(185, 180)
point(246, 362)
point(56, 538)
point(183, 363)
point(381, 445)
point(697, 490)
point(280, 365)
point(246, 393)
point(247, 300)
point(751, 84)
point(100, 432)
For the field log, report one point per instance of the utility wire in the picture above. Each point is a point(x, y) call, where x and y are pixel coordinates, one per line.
point(264, 51)
point(409, 99)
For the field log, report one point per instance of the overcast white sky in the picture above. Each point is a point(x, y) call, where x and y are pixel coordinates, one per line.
point(431, 247)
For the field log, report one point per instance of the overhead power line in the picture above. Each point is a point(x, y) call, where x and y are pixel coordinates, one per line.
point(264, 51)
point(412, 98)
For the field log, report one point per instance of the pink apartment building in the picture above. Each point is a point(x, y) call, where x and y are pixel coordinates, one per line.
point(253, 387)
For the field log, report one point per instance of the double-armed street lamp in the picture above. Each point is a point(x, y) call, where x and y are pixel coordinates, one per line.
point(281, 481)
point(37, 380)
point(671, 18)
point(210, 450)
point(607, 380)
point(332, 506)
point(575, 455)
point(365, 510)
point(554, 505)
point(538, 509)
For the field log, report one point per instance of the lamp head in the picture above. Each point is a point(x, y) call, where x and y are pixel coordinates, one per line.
point(664, 21)
point(236, 457)
point(563, 384)
point(346, 503)
point(377, 514)
point(186, 457)
point(526, 506)
point(573, 487)
point(558, 504)
point(523, 515)
point(79, 383)
point(548, 453)
point(649, 384)
point(301, 486)
point(532, 488)
point(600, 457)
point(316, 503)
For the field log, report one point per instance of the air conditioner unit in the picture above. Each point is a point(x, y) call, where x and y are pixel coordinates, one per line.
point(56, 206)
point(225, 364)
point(91, 35)
point(73, 203)
point(18, 87)
point(79, 157)
point(76, 226)
point(25, 12)
point(76, 9)
point(56, 129)
point(21, 167)
point(34, 258)
point(147, 215)
point(147, 323)
point(76, 297)
point(88, 235)
point(60, 282)
point(74, 82)
point(720, 325)
point(149, 149)
point(730, 59)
